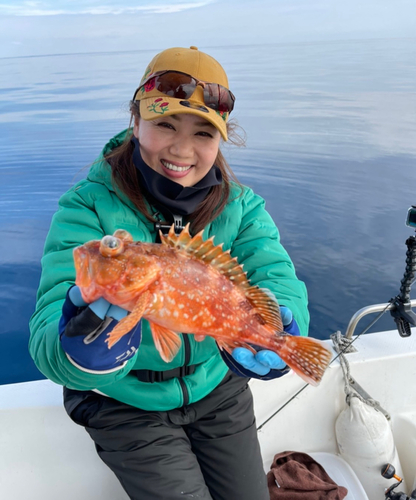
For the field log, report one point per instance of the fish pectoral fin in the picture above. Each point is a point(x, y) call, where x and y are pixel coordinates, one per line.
point(199, 338)
point(129, 322)
point(230, 345)
point(166, 341)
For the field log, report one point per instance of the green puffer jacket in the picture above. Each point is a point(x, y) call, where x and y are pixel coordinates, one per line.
point(92, 209)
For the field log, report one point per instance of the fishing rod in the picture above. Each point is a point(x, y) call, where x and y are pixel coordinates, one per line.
point(400, 306)
point(347, 347)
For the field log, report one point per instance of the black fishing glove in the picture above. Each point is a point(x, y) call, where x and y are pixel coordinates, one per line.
point(83, 329)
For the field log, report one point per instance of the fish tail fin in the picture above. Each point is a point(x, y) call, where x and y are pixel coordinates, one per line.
point(307, 357)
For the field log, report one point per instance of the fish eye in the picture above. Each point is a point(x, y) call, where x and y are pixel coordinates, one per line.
point(111, 246)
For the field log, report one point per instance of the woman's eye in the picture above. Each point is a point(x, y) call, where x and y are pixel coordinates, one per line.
point(204, 134)
point(165, 125)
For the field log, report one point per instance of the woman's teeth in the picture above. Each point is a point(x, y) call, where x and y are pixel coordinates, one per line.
point(171, 166)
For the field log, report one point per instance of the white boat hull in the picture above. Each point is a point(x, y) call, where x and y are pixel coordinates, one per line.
point(44, 455)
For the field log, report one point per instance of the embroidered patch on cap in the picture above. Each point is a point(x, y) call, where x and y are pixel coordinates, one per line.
point(158, 106)
point(223, 114)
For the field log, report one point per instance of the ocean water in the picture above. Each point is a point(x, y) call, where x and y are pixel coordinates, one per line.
point(331, 146)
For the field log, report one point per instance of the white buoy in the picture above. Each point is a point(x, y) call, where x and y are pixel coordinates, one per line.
point(365, 441)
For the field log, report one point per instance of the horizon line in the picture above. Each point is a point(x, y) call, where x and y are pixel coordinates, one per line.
point(312, 42)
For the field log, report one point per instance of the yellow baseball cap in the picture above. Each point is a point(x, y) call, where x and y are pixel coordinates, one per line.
point(193, 62)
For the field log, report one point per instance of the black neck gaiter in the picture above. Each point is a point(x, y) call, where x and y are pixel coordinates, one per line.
point(170, 195)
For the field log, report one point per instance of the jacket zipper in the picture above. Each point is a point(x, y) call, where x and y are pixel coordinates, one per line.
point(186, 343)
point(187, 358)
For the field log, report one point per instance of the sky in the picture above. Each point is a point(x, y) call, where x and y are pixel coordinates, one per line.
point(30, 28)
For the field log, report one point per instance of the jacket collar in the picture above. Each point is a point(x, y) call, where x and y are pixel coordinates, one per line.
point(100, 172)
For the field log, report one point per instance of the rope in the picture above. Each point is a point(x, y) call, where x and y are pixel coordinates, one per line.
point(344, 346)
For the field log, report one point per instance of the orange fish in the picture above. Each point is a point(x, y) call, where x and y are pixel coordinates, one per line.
point(189, 285)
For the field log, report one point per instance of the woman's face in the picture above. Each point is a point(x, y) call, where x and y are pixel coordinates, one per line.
point(180, 147)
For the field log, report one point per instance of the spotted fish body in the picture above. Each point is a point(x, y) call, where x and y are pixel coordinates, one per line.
point(189, 285)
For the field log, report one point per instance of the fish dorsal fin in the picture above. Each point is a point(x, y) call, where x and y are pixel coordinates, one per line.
point(266, 305)
point(207, 252)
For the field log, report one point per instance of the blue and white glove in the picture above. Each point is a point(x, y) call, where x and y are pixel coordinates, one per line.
point(83, 329)
point(264, 364)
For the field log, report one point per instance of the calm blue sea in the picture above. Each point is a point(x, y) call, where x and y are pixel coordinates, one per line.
point(331, 146)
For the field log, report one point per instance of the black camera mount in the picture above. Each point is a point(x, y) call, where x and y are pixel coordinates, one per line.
point(402, 312)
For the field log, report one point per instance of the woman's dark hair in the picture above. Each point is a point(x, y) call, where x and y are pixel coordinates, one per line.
point(124, 175)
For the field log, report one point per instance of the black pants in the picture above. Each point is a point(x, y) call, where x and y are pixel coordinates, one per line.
point(207, 451)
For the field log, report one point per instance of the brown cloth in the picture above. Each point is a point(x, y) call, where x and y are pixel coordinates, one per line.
point(301, 477)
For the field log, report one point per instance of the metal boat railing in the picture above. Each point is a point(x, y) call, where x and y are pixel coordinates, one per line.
point(369, 310)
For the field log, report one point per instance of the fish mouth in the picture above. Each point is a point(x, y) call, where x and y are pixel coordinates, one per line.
point(82, 263)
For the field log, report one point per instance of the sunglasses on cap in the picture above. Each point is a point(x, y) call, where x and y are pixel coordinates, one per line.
point(181, 86)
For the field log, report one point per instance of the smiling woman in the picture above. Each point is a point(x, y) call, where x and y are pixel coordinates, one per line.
point(179, 121)
point(164, 171)
point(180, 147)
